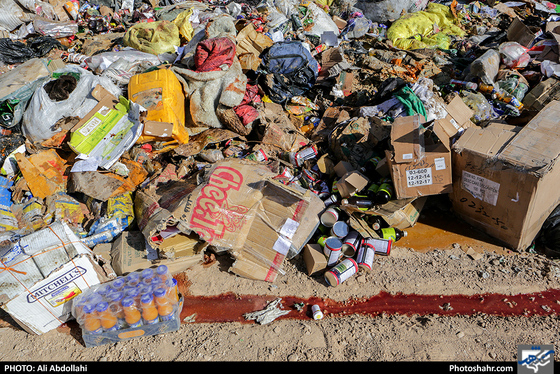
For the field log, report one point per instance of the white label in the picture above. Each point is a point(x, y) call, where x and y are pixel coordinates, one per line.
point(419, 177)
point(440, 163)
point(90, 126)
point(481, 188)
point(407, 156)
point(282, 245)
point(289, 228)
point(454, 123)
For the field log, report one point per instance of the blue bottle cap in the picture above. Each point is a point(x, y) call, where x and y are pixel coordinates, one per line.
point(118, 283)
point(161, 270)
point(146, 298)
point(102, 306)
point(133, 291)
point(127, 301)
point(115, 296)
point(147, 273)
point(159, 292)
point(88, 308)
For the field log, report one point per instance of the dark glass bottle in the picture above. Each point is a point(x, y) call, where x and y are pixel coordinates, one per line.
point(385, 192)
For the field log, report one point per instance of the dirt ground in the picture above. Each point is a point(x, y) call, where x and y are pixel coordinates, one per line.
point(447, 270)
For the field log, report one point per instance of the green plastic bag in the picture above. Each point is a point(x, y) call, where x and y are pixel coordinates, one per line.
point(153, 37)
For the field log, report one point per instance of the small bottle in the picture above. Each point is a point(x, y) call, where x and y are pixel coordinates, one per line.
point(164, 307)
point(370, 168)
point(385, 192)
point(134, 294)
point(147, 274)
point(469, 85)
point(149, 310)
point(162, 272)
point(132, 315)
point(114, 300)
point(362, 202)
point(92, 324)
point(375, 222)
point(132, 279)
point(172, 291)
point(106, 317)
point(393, 233)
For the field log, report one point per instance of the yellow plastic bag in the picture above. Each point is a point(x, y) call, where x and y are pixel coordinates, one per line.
point(184, 25)
point(429, 28)
point(153, 37)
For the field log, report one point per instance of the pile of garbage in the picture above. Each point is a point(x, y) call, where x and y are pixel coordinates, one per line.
point(158, 133)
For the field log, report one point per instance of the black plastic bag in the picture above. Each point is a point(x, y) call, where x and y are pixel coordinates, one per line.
point(13, 52)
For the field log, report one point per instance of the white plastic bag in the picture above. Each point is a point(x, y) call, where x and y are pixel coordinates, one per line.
point(42, 113)
point(321, 21)
point(514, 55)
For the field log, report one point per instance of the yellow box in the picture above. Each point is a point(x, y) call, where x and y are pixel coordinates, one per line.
point(161, 93)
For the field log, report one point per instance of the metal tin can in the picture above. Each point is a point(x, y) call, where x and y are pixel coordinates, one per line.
point(351, 243)
point(332, 199)
point(259, 155)
point(316, 310)
point(330, 216)
point(341, 272)
point(333, 250)
point(381, 246)
point(300, 157)
point(339, 229)
point(365, 256)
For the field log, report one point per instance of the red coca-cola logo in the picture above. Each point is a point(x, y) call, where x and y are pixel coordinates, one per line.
point(212, 216)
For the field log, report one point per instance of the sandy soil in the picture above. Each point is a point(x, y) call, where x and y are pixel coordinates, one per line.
point(387, 337)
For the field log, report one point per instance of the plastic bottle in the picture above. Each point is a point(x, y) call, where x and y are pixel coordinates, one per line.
point(114, 300)
point(92, 324)
point(132, 279)
point(172, 291)
point(132, 315)
point(385, 192)
point(118, 284)
point(149, 310)
point(106, 317)
point(147, 274)
point(162, 272)
point(164, 307)
point(469, 85)
point(392, 233)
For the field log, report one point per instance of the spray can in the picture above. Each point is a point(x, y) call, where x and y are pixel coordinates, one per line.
point(341, 272)
point(366, 254)
point(339, 229)
point(298, 158)
point(351, 244)
point(316, 310)
point(333, 250)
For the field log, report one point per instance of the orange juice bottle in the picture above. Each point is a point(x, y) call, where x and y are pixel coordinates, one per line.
point(164, 307)
point(92, 324)
point(162, 272)
point(172, 293)
point(149, 310)
point(114, 300)
point(106, 317)
point(132, 315)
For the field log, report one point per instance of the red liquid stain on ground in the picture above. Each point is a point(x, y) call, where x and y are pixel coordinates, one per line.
point(230, 307)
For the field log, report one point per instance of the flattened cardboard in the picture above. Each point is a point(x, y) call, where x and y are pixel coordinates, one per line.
point(521, 33)
point(506, 182)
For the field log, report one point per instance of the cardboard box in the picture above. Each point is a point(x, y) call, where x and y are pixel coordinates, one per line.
point(521, 33)
point(45, 270)
point(506, 182)
point(350, 183)
point(128, 254)
point(315, 259)
point(420, 165)
point(402, 214)
point(108, 130)
point(236, 206)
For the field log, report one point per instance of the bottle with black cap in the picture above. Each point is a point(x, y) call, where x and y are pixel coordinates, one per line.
point(385, 192)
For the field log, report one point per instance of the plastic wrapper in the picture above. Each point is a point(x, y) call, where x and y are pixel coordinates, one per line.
point(55, 29)
point(105, 60)
point(514, 55)
point(483, 110)
point(486, 66)
point(153, 37)
point(322, 22)
point(142, 300)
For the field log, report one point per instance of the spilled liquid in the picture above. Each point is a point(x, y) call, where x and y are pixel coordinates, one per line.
point(230, 307)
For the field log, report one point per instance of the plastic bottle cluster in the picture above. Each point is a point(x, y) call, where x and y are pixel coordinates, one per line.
point(140, 298)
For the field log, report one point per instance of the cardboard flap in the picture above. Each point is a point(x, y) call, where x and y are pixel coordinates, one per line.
point(407, 142)
point(536, 146)
point(487, 141)
point(459, 113)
